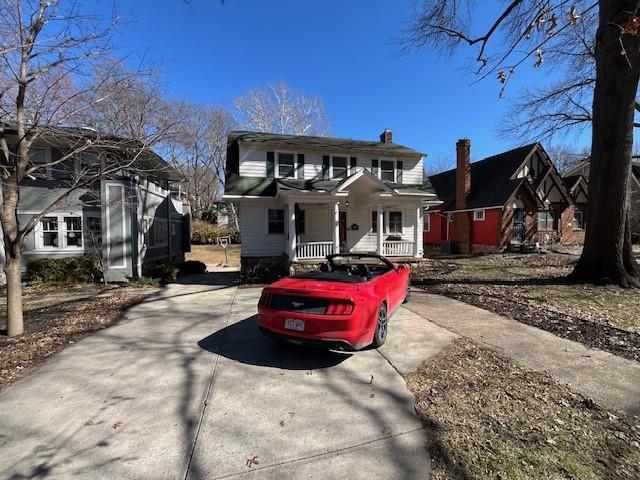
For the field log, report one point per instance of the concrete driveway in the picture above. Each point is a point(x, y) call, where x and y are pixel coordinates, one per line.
point(186, 387)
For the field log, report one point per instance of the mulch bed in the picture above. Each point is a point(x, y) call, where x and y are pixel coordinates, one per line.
point(51, 328)
point(485, 416)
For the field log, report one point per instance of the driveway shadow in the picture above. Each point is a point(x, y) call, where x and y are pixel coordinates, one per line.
point(209, 278)
point(244, 343)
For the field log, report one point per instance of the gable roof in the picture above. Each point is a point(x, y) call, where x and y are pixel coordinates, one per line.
point(491, 183)
point(322, 144)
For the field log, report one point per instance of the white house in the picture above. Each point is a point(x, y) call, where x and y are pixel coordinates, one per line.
point(308, 197)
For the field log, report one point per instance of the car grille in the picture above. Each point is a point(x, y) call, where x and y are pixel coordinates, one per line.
point(292, 303)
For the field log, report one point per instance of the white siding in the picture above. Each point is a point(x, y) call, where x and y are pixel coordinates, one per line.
point(317, 224)
point(253, 163)
point(256, 242)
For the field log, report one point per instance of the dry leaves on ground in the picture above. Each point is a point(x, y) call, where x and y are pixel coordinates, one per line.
point(487, 417)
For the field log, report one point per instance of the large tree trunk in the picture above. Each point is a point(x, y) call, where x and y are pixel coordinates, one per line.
point(15, 324)
point(607, 256)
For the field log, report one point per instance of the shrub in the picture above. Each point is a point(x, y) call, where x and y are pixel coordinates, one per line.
point(165, 272)
point(205, 233)
point(142, 282)
point(64, 270)
point(192, 267)
point(263, 270)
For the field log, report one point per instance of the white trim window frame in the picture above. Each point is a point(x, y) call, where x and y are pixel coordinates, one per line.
point(48, 171)
point(578, 225)
point(479, 215)
point(332, 168)
point(395, 222)
point(393, 163)
point(275, 221)
point(426, 222)
point(62, 239)
point(293, 164)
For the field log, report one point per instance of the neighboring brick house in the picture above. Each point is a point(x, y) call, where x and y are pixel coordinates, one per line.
point(581, 171)
point(512, 199)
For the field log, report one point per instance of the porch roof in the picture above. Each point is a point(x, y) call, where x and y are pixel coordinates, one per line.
point(236, 185)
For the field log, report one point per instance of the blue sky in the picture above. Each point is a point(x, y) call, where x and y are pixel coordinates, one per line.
point(345, 51)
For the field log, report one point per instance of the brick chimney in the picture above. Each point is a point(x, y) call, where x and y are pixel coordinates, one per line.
point(463, 172)
point(386, 136)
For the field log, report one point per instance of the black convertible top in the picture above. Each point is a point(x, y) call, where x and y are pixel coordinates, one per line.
point(331, 277)
point(347, 272)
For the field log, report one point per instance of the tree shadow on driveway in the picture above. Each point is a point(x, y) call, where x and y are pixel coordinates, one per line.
point(243, 342)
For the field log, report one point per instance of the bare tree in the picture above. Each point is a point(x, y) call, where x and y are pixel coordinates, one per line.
point(565, 157)
point(49, 53)
point(279, 109)
point(439, 164)
point(522, 32)
point(198, 150)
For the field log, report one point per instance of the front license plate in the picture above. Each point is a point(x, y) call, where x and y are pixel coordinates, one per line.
point(294, 324)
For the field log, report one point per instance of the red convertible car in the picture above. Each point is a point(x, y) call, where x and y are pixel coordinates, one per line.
point(345, 305)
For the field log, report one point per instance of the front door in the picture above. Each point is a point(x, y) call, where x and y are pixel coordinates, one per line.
point(518, 225)
point(343, 231)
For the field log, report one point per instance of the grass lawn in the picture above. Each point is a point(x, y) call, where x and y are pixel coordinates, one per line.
point(214, 254)
point(56, 317)
point(532, 289)
point(487, 417)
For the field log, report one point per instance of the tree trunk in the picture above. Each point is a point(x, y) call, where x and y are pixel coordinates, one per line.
point(15, 324)
point(607, 256)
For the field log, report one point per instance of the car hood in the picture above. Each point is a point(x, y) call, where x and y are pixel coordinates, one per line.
point(307, 285)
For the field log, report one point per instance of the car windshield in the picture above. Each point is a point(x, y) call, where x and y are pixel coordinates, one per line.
point(338, 260)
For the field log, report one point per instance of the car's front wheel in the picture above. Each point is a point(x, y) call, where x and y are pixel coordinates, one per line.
point(382, 327)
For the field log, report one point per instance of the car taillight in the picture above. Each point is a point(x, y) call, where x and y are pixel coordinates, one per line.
point(265, 299)
point(339, 308)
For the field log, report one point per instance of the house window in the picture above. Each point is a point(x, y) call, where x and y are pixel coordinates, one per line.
point(286, 165)
point(50, 231)
point(546, 220)
point(300, 222)
point(73, 233)
point(161, 232)
point(578, 220)
point(275, 220)
point(395, 222)
point(374, 222)
point(40, 156)
point(387, 171)
point(478, 215)
point(426, 225)
point(339, 167)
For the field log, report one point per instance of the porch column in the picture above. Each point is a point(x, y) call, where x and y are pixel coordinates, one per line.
point(380, 244)
point(417, 234)
point(336, 227)
point(292, 230)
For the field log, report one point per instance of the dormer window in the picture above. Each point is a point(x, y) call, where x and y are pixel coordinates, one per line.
point(286, 165)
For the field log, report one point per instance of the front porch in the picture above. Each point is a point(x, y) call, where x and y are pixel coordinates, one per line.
point(319, 250)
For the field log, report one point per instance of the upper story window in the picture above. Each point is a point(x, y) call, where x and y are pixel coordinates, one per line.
point(387, 171)
point(286, 165)
point(339, 167)
point(40, 156)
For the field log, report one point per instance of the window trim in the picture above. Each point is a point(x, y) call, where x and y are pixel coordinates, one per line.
point(294, 169)
point(394, 169)
point(346, 169)
point(388, 222)
point(284, 222)
point(581, 212)
point(479, 215)
point(426, 222)
point(48, 171)
point(62, 233)
point(553, 225)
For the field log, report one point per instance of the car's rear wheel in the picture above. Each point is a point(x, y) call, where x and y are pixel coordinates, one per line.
point(382, 327)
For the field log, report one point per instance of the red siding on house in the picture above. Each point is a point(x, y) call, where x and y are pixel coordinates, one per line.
point(438, 229)
point(485, 232)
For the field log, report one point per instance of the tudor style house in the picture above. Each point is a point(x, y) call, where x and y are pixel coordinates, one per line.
point(308, 197)
point(511, 200)
point(577, 178)
point(133, 218)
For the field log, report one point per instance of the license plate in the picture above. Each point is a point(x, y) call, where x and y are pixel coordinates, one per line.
point(294, 324)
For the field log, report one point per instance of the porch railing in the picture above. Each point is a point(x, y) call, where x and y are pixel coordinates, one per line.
point(397, 248)
point(311, 250)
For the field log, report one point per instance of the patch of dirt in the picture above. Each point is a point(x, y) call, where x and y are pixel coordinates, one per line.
point(487, 417)
point(214, 254)
point(52, 326)
point(532, 289)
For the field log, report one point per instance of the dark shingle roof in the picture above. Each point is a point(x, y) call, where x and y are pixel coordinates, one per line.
point(250, 186)
point(322, 144)
point(571, 180)
point(491, 183)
